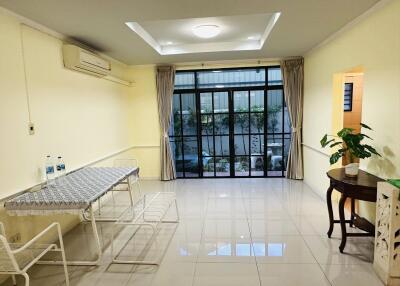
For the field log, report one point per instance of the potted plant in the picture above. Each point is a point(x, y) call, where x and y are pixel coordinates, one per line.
point(350, 144)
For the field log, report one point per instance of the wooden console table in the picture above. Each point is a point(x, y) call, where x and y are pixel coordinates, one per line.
point(364, 188)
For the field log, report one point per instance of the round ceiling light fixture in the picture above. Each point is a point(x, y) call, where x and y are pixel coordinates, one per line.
point(206, 31)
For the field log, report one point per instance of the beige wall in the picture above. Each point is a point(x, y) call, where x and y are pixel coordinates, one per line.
point(81, 117)
point(374, 44)
point(146, 133)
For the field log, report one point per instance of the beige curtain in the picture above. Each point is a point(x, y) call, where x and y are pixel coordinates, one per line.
point(293, 81)
point(165, 89)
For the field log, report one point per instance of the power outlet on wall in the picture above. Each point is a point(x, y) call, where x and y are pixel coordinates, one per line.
point(31, 128)
point(15, 238)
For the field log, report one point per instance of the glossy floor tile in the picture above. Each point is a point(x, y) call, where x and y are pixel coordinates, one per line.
point(349, 275)
point(226, 274)
point(231, 232)
point(292, 275)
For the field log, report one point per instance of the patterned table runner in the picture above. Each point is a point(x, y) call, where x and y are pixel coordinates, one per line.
point(72, 193)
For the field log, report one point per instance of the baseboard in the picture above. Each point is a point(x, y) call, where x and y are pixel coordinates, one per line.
point(150, 178)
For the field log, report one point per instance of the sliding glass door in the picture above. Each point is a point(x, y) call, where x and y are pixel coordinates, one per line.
point(230, 123)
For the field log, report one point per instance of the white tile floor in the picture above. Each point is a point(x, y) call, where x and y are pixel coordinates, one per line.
point(232, 232)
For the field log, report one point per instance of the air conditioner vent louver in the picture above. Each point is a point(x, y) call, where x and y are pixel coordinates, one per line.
point(76, 58)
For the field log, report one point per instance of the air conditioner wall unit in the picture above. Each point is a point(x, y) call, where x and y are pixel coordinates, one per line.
point(78, 59)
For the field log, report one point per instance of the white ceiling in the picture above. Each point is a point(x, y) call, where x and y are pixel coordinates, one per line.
point(171, 37)
point(101, 24)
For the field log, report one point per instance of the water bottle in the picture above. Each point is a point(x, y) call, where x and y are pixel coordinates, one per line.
point(49, 170)
point(60, 167)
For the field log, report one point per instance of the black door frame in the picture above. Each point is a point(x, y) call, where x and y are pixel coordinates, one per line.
point(230, 90)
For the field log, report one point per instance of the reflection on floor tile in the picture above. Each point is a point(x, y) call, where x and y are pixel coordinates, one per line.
point(282, 249)
point(232, 232)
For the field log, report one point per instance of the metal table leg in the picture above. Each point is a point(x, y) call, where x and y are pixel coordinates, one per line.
point(83, 262)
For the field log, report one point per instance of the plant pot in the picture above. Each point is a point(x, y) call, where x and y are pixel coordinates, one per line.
point(351, 170)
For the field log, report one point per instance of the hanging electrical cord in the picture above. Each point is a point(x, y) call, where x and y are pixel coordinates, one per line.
point(25, 73)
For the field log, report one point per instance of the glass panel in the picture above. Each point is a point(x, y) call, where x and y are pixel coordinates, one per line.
point(188, 103)
point(176, 104)
point(257, 166)
point(286, 120)
point(348, 96)
point(191, 156)
point(221, 126)
point(222, 145)
point(207, 124)
point(176, 147)
point(222, 166)
point(241, 101)
point(221, 102)
point(257, 144)
point(208, 166)
point(257, 122)
point(175, 126)
point(241, 144)
point(207, 145)
point(241, 166)
point(275, 109)
point(241, 122)
point(231, 78)
point(206, 102)
point(274, 76)
point(189, 120)
point(184, 80)
point(286, 150)
point(274, 156)
point(189, 124)
point(257, 100)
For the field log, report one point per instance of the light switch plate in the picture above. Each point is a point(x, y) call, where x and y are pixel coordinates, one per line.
point(31, 128)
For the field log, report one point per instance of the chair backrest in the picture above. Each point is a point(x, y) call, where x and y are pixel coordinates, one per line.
point(128, 163)
point(8, 262)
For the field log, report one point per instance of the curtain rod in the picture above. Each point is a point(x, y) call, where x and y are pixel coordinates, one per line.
point(232, 63)
point(227, 63)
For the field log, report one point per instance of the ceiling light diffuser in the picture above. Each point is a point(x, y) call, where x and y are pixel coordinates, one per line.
point(231, 33)
point(206, 31)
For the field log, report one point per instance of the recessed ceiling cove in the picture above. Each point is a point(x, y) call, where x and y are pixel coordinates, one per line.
point(211, 34)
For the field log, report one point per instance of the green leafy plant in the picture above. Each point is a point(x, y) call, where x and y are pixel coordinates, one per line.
point(257, 120)
point(349, 143)
point(273, 118)
point(242, 120)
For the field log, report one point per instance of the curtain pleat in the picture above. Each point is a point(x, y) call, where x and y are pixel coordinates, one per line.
point(165, 79)
point(293, 82)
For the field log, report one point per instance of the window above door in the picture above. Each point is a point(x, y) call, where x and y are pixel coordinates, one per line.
point(226, 78)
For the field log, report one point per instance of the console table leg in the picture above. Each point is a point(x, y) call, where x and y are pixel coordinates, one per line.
point(342, 222)
point(330, 211)
point(353, 210)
